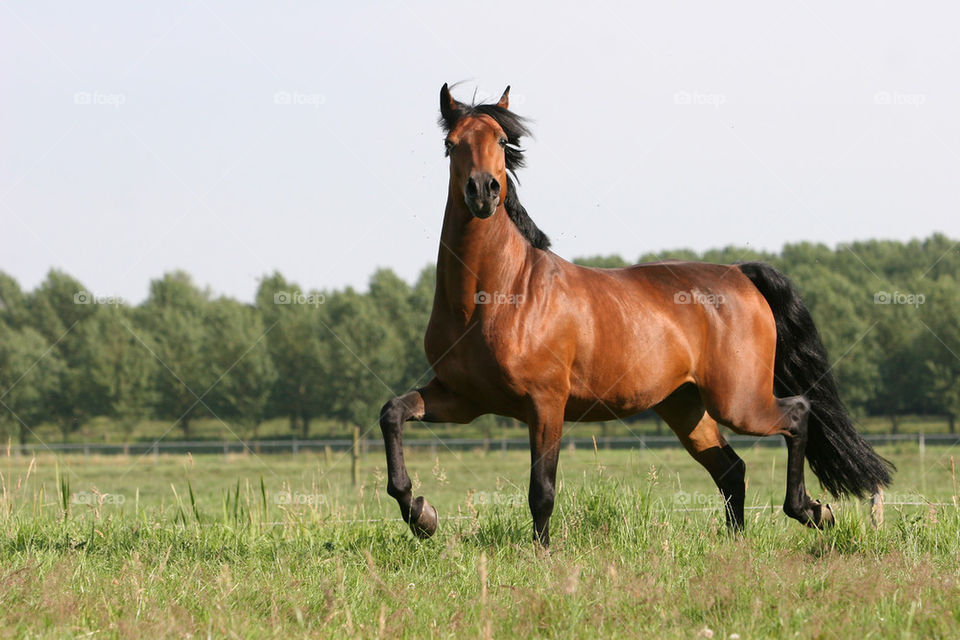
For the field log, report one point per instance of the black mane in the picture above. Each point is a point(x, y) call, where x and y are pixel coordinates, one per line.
point(515, 128)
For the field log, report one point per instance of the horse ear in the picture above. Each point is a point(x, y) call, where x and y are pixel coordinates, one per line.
point(505, 98)
point(449, 107)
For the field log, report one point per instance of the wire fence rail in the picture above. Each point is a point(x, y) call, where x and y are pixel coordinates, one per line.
point(294, 446)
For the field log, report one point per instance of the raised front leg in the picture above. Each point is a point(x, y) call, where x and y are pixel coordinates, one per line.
point(432, 403)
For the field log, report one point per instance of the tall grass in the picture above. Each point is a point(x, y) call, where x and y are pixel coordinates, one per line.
point(263, 547)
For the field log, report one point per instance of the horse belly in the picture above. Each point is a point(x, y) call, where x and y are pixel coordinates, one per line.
point(643, 368)
point(631, 394)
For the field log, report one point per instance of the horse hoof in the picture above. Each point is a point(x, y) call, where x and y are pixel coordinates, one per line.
point(424, 518)
point(826, 517)
point(821, 516)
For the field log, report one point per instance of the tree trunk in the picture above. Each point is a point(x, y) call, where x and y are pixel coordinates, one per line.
point(305, 425)
point(952, 423)
point(894, 423)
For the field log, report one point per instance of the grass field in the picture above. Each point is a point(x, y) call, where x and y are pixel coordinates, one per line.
point(251, 546)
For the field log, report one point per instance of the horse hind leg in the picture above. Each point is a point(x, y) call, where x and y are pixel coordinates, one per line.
point(762, 414)
point(684, 412)
point(798, 504)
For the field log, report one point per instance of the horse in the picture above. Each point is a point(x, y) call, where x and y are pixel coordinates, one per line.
point(518, 331)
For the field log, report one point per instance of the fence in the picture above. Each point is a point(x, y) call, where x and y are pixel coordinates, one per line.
point(434, 445)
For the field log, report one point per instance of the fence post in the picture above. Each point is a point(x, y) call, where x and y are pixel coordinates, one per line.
point(876, 508)
point(296, 447)
point(356, 456)
point(922, 442)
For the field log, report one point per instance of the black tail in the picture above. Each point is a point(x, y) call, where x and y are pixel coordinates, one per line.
point(839, 456)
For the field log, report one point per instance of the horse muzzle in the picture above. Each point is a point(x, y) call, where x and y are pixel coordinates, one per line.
point(481, 194)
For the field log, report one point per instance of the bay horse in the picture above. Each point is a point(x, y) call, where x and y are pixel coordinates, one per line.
point(518, 331)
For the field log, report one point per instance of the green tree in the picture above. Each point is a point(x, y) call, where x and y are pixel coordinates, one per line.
point(940, 347)
point(29, 372)
point(900, 390)
point(57, 308)
point(603, 262)
point(13, 303)
point(671, 254)
point(298, 349)
point(731, 254)
point(365, 358)
point(406, 310)
point(842, 312)
point(238, 349)
point(118, 367)
point(175, 314)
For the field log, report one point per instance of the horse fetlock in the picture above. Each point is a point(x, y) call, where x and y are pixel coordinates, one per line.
point(399, 490)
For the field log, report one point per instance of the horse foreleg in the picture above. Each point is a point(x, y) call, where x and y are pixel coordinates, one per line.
point(432, 403)
point(546, 427)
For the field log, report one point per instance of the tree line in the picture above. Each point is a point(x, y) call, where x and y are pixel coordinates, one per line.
point(888, 312)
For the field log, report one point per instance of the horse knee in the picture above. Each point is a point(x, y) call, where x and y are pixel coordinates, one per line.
point(391, 414)
point(399, 409)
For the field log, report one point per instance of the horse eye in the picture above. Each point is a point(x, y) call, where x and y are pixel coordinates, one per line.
point(503, 142)
point(448, 145)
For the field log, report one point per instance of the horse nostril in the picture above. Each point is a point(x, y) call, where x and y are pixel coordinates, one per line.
point(494, 187)
point(472, 189)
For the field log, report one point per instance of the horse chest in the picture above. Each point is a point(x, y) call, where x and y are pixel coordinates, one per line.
point(470, 358)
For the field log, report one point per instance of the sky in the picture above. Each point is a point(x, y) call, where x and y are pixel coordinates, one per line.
point(234, 139)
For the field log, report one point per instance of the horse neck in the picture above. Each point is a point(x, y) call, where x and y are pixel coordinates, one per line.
point(477, 255)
